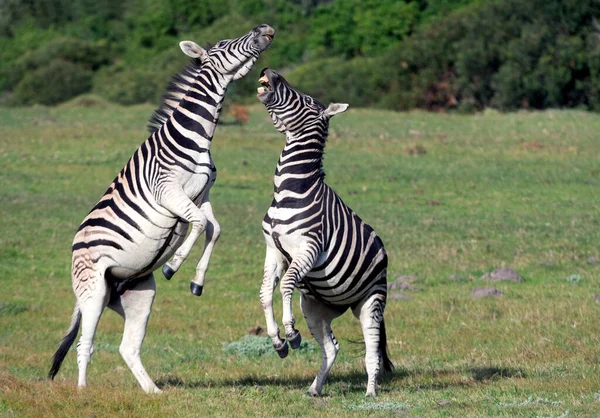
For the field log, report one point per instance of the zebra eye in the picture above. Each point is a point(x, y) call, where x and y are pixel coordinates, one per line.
point(309, 100)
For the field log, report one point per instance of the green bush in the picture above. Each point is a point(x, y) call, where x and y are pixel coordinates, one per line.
point(356, 27)
point(89, 55)
point(506, 54)
point(127, 86)
point(53, 83)
point(435, 54)
point(336, 80)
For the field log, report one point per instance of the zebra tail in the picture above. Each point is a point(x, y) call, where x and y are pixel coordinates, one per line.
point(388, 366)
point(66, 343)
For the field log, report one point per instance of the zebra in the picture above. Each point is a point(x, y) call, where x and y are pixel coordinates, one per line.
point(142, 219)
point(335, 259)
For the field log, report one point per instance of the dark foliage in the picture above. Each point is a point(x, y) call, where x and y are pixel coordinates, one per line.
point(436, 54)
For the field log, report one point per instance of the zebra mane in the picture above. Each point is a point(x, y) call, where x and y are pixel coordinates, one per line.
point(176, 90)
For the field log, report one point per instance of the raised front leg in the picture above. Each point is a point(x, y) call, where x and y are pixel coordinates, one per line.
point(302, 263)
point(177, 202)
point(271, 275)
point(213, 232)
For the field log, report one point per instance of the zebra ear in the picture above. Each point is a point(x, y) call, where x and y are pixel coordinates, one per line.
point(192, 49)
point(335, 108)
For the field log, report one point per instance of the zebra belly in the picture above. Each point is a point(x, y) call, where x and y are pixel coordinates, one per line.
point(141, 253)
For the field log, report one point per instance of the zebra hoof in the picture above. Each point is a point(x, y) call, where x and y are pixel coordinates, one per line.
point(294, 338)
point(196, 289)
point(282, 350)
point(168, 272)
point(312, 392)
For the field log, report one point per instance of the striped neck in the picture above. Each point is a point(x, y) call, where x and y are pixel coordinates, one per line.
point(198, 112)
point(300, 164)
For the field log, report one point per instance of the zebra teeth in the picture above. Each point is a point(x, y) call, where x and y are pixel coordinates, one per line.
point(264, 81)
point(269, 38)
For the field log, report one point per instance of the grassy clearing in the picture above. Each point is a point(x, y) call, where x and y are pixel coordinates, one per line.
point(452, 196)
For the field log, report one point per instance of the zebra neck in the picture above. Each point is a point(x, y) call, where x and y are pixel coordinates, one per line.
point(300, 165)
point(198, 112)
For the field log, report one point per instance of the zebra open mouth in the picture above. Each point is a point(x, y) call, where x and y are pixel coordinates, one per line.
point(264, 81)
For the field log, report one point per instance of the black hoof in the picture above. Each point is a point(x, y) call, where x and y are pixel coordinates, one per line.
point(294, 338)
point(168, 272)
point(196, 289)
point(282, 350)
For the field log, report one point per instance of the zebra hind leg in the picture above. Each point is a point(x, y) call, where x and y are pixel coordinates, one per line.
point(92, 294)
point(370, 314)
point(318, 318)
point(135, 305)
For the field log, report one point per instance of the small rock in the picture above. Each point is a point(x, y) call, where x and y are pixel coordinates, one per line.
point(486, 292)
point(597, 298)
point(444, 403)
point(404, 283)
point(416, 150)
point(593, 260)
point(258, 330)
point(503, 274)
point(398, 296)
point(415, 132)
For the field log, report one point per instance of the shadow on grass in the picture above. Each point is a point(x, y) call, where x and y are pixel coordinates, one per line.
point(355, 381)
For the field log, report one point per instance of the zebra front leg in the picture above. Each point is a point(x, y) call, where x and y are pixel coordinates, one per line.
point(213, 232)
point(370, 314)
point(302, 263)
point(178, 203)
point(271, 275)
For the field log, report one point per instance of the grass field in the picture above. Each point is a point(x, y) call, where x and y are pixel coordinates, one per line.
point(452, 197)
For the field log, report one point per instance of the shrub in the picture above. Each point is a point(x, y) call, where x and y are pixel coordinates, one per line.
point(56, 82)
point(127, 86)
point(357, 81)
point(89, 55)
point(506, 54)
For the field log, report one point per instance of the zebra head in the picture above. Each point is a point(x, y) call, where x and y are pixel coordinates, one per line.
point(233, 58)
point(293, 112)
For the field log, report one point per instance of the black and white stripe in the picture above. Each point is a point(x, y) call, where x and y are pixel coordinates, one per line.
point(143, 218)
point(335, 259)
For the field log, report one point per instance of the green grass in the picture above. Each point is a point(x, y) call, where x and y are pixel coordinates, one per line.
point(491, 190)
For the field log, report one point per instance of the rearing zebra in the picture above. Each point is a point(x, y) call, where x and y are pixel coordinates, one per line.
point(143, 217)
point(334, 258)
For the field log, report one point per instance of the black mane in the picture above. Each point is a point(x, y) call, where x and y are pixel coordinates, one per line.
point(176, 90)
